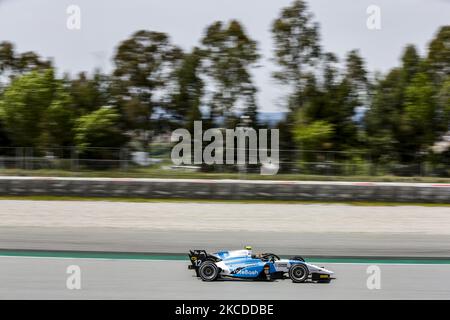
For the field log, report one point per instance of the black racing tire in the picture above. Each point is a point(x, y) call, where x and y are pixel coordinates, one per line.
point(208, 271)
point(298, 273)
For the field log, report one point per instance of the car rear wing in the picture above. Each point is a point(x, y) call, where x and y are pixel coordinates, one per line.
point(197, 257)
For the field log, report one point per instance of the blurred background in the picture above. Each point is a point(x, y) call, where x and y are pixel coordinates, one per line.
point(102, 100)
point(359, 91)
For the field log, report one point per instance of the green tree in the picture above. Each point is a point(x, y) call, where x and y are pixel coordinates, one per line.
point(13, 63)
point(298, 54)
point(144, 66)
point(35, 110)
point(439, 55)
point(333, 100)
point(187, 97)
point(411, 63)
point(382, 120)
point(332, 105)
point(297, 47)
point(355, 68)
point(314, 136)
point(7, 57)
point(388, 134)
point(229, 55)
point(330, 71)
point(99, 129)
point(420, 112)
point(88, 94)
point(58, 120)
point(443, 105)
point(355, 76)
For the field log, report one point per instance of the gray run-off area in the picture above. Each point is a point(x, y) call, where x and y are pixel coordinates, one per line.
point(226, 189)
point(44, 278)
point(297, 229)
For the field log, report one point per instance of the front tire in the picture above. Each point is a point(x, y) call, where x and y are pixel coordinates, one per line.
point(208, 271)
point(298, 273)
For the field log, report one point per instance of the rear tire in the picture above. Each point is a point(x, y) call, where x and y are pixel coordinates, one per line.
point(208, 271)
point(298, 273)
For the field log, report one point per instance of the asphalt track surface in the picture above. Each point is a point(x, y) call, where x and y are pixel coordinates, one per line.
point(285, 229)
point(45, 278)
point(179, 242)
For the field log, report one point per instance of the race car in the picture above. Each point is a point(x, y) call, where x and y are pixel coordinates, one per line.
point(243, 264)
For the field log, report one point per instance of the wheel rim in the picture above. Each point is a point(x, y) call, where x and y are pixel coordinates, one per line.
point(208, 272)
point(298, 273)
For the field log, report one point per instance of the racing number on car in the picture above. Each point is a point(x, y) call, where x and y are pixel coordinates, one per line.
point(196, 262)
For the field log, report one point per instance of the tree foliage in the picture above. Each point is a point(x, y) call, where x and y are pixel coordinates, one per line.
point(229, 55)
point(35, 111)
point(297, 43)
point(408, 113)
point(333, 103)
point(144, 65)
point(89, 93)
point(13, 63)
point(101, 128)
point(187, 97)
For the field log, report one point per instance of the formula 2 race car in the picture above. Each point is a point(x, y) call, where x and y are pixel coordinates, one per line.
point(243, 264)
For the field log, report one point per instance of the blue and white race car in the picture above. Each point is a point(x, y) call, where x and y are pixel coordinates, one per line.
point(243, 264)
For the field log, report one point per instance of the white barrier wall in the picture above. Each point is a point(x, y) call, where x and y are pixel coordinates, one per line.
point(225, 189)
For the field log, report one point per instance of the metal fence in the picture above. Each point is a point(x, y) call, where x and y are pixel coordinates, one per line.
point(69, 158)
point(305, 162)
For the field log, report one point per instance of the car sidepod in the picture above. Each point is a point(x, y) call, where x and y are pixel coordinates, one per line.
point(242, 267)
